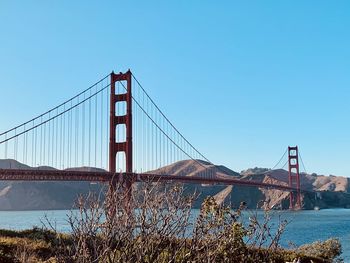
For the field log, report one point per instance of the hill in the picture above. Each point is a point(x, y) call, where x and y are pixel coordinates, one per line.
point(333, 190)
point(16, 195)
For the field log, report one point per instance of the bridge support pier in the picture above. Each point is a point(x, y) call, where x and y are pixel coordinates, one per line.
point(294, 178)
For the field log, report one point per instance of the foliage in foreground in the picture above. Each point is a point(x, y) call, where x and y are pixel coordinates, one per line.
point(160, 230)
point(35, 245)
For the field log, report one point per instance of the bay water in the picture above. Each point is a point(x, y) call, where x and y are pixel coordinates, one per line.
point(304, 226)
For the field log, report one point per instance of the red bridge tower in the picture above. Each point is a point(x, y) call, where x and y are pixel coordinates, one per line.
point(294, 178)
point(115, 120)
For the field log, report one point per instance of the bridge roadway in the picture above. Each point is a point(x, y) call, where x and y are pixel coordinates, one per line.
point(67, 175)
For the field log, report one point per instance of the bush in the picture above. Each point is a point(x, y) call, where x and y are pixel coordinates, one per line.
point(151, 224)
point(329, 249)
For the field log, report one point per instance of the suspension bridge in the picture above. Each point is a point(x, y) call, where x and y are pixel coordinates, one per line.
point(114, 131)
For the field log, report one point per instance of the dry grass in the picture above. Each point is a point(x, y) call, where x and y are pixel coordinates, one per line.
point(25, 246)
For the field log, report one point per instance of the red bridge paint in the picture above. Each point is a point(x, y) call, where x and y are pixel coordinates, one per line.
point(294, 178)
point(115, 147)
point(66, 175)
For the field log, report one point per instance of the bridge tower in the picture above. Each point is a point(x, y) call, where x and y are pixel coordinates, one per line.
point(115, 120)
point(294, 178)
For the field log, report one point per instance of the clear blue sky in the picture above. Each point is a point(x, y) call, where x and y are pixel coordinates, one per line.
point(241, 79)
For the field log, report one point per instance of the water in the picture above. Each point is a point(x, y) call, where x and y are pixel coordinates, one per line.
point(19, 220)
point(304, 226)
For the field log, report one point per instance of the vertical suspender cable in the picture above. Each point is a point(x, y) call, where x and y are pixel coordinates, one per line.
point(83, 139)
point(89, 155)
point(96, 127)
point(101, 131)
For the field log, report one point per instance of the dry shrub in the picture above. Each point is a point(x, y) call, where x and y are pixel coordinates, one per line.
point(329, 249)
point(153, 223)
point(23, 249)
point(142, 226)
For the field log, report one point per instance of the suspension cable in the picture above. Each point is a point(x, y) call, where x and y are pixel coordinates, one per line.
point(172, 125)
point(280, 160)
point(54, 117)
point(53, 109)
point(302, 162)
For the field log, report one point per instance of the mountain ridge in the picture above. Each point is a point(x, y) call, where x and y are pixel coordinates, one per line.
point(333, 190)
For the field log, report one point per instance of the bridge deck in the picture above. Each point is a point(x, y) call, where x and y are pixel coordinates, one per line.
point(67, 175)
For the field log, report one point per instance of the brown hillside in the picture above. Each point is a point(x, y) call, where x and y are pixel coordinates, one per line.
point(61, 195)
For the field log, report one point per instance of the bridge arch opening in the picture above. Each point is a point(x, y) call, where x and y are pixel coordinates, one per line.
point(120, 130)
point(120, 108)
point(120, 162)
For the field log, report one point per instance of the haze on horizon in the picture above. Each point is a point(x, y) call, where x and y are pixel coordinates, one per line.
point(241, 81)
